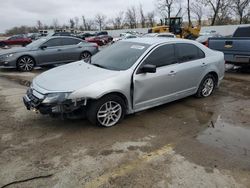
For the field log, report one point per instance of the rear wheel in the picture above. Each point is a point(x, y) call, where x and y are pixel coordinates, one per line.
point(107, 111)
point(207, 86)
point(25, 63)
point(85, 56)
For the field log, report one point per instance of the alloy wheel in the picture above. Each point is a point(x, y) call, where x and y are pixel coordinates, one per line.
point(85, 56)
point(208, 87)
point(109, 113)
point(26, 64)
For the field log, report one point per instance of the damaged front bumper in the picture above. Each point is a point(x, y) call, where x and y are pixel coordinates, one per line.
point(33, 100)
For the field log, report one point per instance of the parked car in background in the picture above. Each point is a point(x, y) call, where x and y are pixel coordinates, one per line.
point(127, 77)
point(47, 51)
point(96, 39)
point(16, 40)
point(236, 48)
point(106, 38)
point(34, 36)
point(135, 33)
point(208, 32)
point(101, 33)
point(203, 39)
point(127, 36)
point(85, 35)
point(167, 35)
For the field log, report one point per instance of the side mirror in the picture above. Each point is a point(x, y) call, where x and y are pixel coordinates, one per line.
point(148, 68)
point(43, 47)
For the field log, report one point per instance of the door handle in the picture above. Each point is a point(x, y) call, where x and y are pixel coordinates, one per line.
point(59, 49)
point(228, 44)
point(203, 64)
point(172, 73)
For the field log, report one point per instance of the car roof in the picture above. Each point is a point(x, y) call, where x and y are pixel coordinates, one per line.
point(156, 40)
point(70, 37)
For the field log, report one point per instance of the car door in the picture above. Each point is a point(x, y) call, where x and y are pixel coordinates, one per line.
point(151, 89)
point(12, 41)
point(50, 52)
point(189, 70)
point(71, 51)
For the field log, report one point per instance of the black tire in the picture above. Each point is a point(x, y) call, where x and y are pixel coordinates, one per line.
point(25, 64)
point(200, 93)
point(2, 44)
point(85, 56)
point(96, 106)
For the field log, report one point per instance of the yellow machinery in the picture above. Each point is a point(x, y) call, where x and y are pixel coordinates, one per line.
point(174, 25)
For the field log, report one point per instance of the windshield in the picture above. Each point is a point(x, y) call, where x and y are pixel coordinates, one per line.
point(119, 56)
point(36, 43)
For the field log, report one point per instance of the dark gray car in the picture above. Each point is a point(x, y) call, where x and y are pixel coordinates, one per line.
point(47, 51)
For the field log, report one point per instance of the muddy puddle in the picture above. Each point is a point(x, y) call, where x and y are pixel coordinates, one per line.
point(233, 139)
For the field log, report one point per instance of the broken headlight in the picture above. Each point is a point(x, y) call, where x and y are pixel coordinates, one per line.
point(55, 97)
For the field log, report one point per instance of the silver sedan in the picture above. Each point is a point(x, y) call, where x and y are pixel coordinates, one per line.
point(127, 77)
point(47, 51)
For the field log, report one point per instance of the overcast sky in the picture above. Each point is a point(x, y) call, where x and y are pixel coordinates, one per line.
point(27, 12)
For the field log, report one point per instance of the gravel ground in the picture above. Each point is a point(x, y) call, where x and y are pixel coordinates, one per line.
point(188, 143)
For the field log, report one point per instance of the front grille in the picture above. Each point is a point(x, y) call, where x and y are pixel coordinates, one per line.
point(34, 100)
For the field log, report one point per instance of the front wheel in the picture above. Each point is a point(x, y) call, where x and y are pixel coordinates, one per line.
point(206, 87)
point(25, 64)
point(107, 111)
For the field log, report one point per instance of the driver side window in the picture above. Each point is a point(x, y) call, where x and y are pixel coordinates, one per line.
point(53, 42)
point(162, 56)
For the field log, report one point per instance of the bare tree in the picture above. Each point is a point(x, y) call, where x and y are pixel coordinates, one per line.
point(55, 23)
point(246, 18)
point(142, 17)
point(100, 20)
point(90, 24)
point(165, 6)
point(178, 8)
point(225, 13)
point(84, 22)
point(197, 10)
point(117, 21)
point(39, 24)
point(240, 8)
point(151, 19)
point(76, 19)
point(188, 11)
point(71, 23)
point(131, 17)
point(215, 6)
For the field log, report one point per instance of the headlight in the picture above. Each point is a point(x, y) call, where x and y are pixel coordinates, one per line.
point(8, 55)
point(55, 97)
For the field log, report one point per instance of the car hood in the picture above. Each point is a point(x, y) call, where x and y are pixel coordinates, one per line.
point(71, 77)
point(14, 50)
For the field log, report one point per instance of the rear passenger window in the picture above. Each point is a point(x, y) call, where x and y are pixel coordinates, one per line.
point(188, 52)
point(53, 42)
point(161, 56)
point(70, 41)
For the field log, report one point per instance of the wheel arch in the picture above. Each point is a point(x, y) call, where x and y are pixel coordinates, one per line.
point(28, 55)
point(86, 51)
point(215, 75)
point(117, 93)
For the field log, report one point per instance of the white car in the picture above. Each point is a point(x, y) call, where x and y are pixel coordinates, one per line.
point(127, 77)
point(127, 36)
